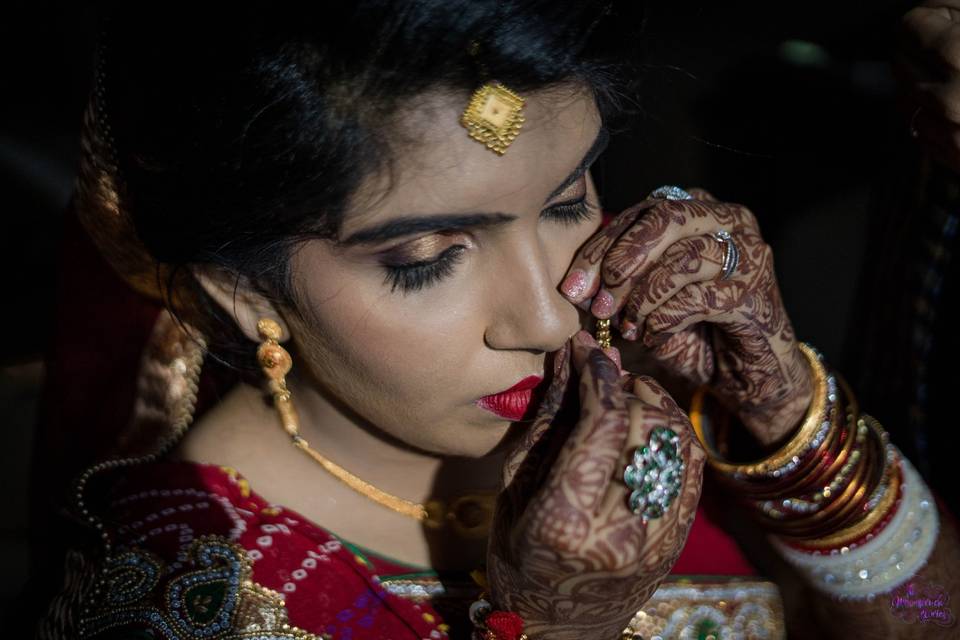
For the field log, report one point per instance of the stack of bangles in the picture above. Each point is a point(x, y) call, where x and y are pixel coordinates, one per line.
point(841, 503)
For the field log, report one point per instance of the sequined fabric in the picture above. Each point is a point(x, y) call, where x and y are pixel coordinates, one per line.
point(713, 608)
point(197, 554)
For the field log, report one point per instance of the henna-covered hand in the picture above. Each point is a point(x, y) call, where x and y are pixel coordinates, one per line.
point(656, 269)
point(566, 553)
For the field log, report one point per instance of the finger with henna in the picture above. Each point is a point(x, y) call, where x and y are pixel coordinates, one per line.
point(583, 276)
point(690, 260)
point(593, 447)
point(640, 248)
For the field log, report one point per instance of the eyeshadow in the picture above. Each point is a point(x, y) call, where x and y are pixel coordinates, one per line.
point(420, 250)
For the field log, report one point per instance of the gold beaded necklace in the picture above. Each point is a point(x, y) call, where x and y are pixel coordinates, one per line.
point(468, 515)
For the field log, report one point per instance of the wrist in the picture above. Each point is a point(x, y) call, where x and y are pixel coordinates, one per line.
point(773, 421)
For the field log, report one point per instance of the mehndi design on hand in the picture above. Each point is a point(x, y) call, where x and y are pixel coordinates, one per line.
point(657, 270)
point(567, 553)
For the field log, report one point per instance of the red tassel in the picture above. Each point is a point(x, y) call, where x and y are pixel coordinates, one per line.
point(505, 625)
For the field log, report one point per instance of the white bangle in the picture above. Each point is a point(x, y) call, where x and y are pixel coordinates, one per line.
point(884, 562)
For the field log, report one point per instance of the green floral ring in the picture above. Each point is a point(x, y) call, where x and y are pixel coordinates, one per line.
point(655, 475)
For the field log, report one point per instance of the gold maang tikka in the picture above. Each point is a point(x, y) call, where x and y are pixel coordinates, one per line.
point(494, 116)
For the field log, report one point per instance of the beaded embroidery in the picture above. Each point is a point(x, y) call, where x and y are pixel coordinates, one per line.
point(884, 561)
point(738, 610)
point(734, 609)
point(216, 600)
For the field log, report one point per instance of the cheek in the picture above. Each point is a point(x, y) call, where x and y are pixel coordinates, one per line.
point(401, 361)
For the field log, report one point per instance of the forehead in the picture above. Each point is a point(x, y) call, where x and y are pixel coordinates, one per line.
point(437, 167)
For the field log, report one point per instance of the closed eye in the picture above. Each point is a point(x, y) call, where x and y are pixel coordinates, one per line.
point(570, 213)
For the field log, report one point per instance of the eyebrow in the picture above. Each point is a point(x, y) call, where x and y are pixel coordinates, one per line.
point(409, 225)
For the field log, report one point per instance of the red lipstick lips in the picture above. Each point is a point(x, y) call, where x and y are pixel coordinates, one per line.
point(511, 404)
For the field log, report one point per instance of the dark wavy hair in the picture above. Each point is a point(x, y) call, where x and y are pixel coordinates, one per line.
point(240, 133)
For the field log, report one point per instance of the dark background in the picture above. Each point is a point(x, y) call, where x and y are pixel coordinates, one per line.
point(787, 108)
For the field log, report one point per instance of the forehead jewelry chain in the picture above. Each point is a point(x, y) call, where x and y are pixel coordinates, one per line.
point(469, 515)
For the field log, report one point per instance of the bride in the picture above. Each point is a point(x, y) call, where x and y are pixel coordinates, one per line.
point(379, 219)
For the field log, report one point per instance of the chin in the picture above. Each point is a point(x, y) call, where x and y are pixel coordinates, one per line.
point(475, 441)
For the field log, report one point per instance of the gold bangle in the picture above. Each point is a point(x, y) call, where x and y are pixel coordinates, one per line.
point(812, 501)
point(856, 531)
point(890, 480)
point(833, 513)
point(840, 512)
point(809, 475)
point(795, 448)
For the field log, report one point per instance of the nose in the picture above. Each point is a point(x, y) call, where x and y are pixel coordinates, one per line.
point(529, 312)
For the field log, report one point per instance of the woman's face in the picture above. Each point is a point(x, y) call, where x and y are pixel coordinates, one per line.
point(443, 287)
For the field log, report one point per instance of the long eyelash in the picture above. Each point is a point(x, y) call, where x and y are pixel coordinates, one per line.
point(417, 275)
point(570, 213)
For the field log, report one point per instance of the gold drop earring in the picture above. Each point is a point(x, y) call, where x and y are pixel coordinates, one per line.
point(276, 364)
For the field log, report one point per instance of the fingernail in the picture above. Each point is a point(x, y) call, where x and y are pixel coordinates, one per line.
point(614, 354)
point(603, 304)
point(575, 284)
point(628, 330)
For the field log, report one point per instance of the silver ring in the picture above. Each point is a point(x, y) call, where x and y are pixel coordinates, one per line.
point(669, 192)
point(731, 255)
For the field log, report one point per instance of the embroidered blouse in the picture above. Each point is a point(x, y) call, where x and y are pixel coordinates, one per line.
point(197, 553)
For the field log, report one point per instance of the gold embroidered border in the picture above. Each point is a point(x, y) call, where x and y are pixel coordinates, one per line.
point(717, 607)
